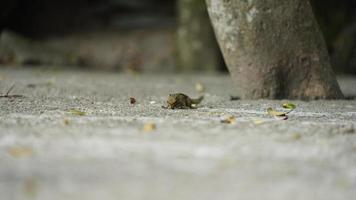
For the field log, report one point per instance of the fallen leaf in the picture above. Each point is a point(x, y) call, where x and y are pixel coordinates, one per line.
point(229, 120)
point(289, 106)
point(273, 112)
point(132, 100)
point(76, 112)
point(281, 115)
point(66, 122)
point(20, 151)
point(149, 127)
point(258, 121)
point(296, 136)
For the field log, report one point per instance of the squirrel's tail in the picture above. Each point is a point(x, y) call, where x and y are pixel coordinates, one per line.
point(198, 100)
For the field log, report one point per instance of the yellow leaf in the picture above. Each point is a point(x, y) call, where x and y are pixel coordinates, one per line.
point(273, 112)
point(258, 121)
point(149, 127)
point(289, 106)
point(296, 136)
point(76, 112)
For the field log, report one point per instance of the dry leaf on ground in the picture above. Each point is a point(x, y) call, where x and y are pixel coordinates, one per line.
point(149, 127)
point(229, 120)
point(132, 100)
point(20, 151)
point(77, 112)
point(284, 115)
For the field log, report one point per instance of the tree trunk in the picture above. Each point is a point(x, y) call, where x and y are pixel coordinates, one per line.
point(197, 48)
point(273, 49)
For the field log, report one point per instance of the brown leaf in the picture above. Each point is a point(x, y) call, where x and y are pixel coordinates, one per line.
point(20, 151)
point(66, 121)
point(132, 100)
point(229, 120)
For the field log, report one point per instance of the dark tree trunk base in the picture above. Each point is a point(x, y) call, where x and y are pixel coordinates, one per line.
point(274, 49)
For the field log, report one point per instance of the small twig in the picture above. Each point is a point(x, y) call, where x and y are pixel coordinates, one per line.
point(10, 96)
point(9, 90)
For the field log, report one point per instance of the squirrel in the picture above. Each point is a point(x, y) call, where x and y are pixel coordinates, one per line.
point(182, 101)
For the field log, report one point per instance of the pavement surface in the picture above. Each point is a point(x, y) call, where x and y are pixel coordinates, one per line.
point(50, 153)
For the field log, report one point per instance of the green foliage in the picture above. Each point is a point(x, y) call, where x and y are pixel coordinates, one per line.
point(76, 112)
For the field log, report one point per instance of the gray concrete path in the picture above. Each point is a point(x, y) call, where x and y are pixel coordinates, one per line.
point(47, 153)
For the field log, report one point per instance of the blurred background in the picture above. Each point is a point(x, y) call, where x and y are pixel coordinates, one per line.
point(140, 35)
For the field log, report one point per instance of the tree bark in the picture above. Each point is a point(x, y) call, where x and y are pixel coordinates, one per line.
point(197, 48)
point(273, 49)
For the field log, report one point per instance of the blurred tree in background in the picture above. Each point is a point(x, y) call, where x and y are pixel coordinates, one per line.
point(141, 24)
point(197, 48)
point(337, 20)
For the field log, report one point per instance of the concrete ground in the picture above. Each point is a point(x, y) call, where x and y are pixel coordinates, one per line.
point(46, 152)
